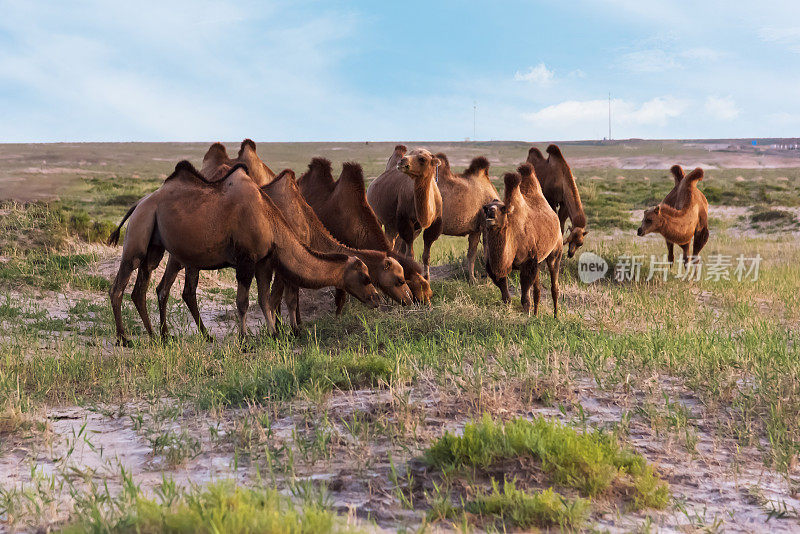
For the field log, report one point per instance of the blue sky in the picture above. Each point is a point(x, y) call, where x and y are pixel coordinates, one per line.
point(308, 71)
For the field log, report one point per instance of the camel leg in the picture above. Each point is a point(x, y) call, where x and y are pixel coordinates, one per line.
point(292, 298)
point(554, 266)
point(139, 293)
point(700, 240)
point(502, 283)
point(341, 300)
point(472, 251)
point(537, 290)
point(430, 235)
point(189, 296)
point(406, 232)
point(263, 278)
point(685, 249)
point(126, 268)
point(670, 252)
point(525, 282)
point(244, 277)
point(163, 289)
point(276, 295)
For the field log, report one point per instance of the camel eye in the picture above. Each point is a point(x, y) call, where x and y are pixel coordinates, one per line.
point(421, 159)
point(400, 282)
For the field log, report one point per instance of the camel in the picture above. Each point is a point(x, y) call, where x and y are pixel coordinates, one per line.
point(342, 207)
point(217, 156)
point(558, 185)
point(385, 271)
point(227, 223)
point(520, 233)
point(683, 226)
point(407, 207)
point(463, 198)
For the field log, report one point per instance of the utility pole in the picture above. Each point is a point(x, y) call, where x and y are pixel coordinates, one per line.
point(474, 119)
point(609, 115)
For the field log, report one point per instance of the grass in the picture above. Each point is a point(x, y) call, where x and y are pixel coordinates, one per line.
point(219, 508)
point(521, 509)
point(590, 462)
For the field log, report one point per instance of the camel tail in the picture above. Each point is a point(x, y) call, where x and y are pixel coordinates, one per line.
point(113, 239)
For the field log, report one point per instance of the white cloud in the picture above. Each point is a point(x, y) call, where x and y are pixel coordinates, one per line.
point(722, 107)
point(538, 75)
point(787, 36)
point(653, 112)
point(653, 60)
point(701, 53)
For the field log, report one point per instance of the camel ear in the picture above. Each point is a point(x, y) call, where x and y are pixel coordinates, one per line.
point(510, 210)
point(387, 264)
point(657, 210)
point(585, 233)
point(435, 161)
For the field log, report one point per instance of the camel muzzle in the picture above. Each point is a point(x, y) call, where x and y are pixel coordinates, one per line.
point(640, 232)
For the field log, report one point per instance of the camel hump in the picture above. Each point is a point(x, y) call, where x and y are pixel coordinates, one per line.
point(525, 170)
point(402, 149)
point(534, 154)
point(288, 174)
point(477, 165)
point(184, 168)
point(353, 174)
point(695, 176)
point(320, 164)
point(247, 143)
point(677, 173)
point(554, 151)
point(216, 150)
point(511, 181)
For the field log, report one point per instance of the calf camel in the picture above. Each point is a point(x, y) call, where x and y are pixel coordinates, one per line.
point(463, 198)
point(407, 207)
point(386, 272)
point(228, 223)
point(684, 226)
point(342, 207)
point(521, 232)
point(559, 188)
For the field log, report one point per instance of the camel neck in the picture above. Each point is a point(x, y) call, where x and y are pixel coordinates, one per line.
point(424, 199)
point(498, 252)
point(307, 268)
point(572, 198)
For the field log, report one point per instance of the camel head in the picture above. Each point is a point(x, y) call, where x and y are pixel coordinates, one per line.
point(652, 221)
point(575, 240)
point(391, 280)
point(496, 214)
point(358, 283)
point(418, 163)
point(420, 288)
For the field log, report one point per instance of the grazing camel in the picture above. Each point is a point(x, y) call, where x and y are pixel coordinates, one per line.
point(683, 226)
point(227, 223)
point(407, 207)
point(463, 198)
point(342, 207)
point(521, 232)
point(558, 186)
point(386, 272)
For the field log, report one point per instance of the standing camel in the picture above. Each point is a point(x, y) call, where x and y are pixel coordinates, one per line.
point(407, 207)
point(228, 223)
point(463, 198)
point(342, 207)
point(559, 188)
point(521, 232)
point(681, 226)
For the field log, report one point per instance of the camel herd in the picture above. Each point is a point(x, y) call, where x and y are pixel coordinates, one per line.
point(317, 231)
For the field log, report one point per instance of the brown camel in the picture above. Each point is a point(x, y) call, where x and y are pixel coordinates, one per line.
point(217, 156)
point(228, 223)
point(384, 271)
point(407, 207)
point(463, 198)
point(683, 226)
point(521, 232)
point(342, 207)
point(559, 188)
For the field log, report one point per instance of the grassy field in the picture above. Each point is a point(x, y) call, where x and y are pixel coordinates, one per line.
point(662, 404)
